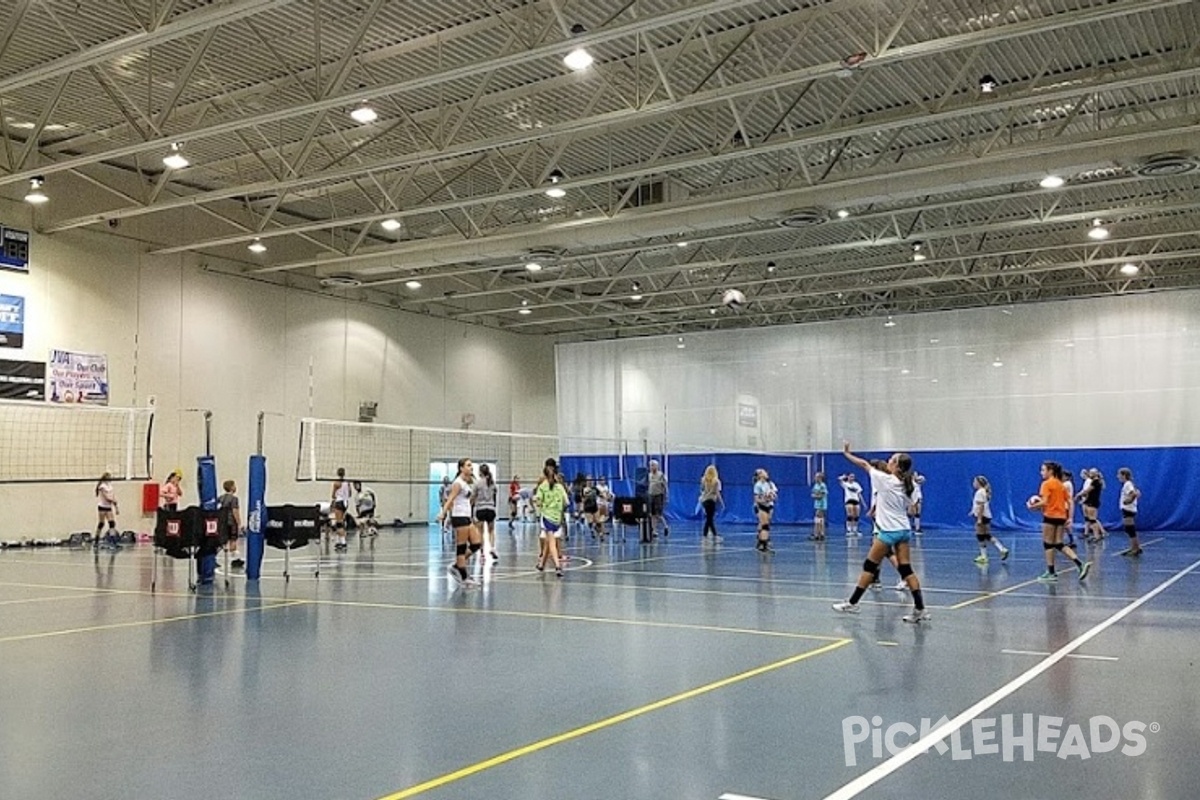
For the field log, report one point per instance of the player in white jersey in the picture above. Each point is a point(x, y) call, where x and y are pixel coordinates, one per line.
point(340, 504)
point(853, 491)
point(891, 494)
point(1129, 509)
point(981, 509)
point(914, 506)
point(458, 509)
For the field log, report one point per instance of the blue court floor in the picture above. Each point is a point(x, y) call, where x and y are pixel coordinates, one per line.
point(678, 670)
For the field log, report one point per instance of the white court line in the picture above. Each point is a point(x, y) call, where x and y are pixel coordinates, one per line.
point(731, 796)
point(1071, 655)
point(922, 745)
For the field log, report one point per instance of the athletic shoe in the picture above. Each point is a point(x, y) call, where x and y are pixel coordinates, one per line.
point(558, 573)
point(495, 556)
point(458, 576)
point(877, 586)
point(916, 617)
point(1085, 569)
point(901, 586)
point(846, 608)
point(237, 563)
point(540, 566)
point(1048, 577)
point(1004, 554)
point(981, 559)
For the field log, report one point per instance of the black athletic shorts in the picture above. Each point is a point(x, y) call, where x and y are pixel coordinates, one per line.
point(851, 502)
point(766, 508)
point(485, 514)
point(339, 505)
point(590, 508)
point(1059, 521)
point(657, 501)
point(460, 522)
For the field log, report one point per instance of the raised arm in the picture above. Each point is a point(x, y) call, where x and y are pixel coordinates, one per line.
point(861, 463)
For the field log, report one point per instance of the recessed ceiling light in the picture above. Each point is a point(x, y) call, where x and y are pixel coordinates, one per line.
point(533, 266)
point(1023, 374)
point(175, 159)
point(997, 363)
point(1052, 182)
point(257, 246)
point(970, 353)
point(391, 224)
point(904, 372)
point(933, 380)
point(842, 213)
point(556, 192)
point(1129, 269)
point(364, 114)
point(934, 341)
point(1069, 344)
point(413, 284)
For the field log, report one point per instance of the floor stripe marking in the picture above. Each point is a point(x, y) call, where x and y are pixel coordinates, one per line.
point(145, 622)
point(888, 644)
point(53, 597)
point(578, 618)
point(731, 796)
point(609, 722)
point(1012, 588)
point(914, 751)
point(1044, 653)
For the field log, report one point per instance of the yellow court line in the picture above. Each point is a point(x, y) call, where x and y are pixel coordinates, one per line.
point(141, 592)
point(1013, 588)
point(577, 618)
point(608, 722)
point(52, 597)
point(145, 622)
point(754, 595)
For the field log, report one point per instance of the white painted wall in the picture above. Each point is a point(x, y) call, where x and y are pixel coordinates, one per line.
point(1120, 371)
point(199, 339)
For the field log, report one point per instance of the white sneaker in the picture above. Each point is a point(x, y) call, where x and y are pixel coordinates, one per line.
point(916, 617)
point(846, 608)
point(901, 587)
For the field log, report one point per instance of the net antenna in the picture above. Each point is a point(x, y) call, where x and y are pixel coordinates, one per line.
point(51, 443)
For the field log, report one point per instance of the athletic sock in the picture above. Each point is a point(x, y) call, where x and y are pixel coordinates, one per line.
point(918, 600)
point(1079, 563)
point(856, 595)
point(1050, 569)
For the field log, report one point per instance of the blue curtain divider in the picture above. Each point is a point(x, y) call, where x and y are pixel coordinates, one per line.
point(1158, 472)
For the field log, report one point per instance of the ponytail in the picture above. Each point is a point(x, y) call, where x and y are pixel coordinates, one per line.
point(905, 473)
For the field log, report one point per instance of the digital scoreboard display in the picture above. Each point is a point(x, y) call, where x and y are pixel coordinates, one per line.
point(14, 249)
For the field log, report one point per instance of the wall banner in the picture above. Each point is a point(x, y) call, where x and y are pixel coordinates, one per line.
point(22, 380)
point(77, 378)
point(12, 321)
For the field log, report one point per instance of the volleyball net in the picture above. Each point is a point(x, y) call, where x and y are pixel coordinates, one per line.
point(50, 443)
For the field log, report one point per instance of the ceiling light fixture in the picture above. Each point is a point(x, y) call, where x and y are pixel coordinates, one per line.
point(771, 266)
point(918, 255)
point(36, 195)
point(175, 159)
point(997, 363)
point(891, 323)
point(391, 224)
point(412, 284)
point(533, 266)
point(842, 213)
point(257, 246)
point(1098, 232)
point(637, 292)
point(970, 353)
point(1052, 182)
point(579, 58)
point(682, 244)
point(363, 114)
point(555, 191)
point(988, 84)
point(1130, 269)
point(525, 312)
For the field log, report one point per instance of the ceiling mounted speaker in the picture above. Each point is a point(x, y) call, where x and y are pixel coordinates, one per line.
point(1166, 165)
point(340, 282)
point(803, 218)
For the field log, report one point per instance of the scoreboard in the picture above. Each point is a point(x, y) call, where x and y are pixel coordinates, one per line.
point(14, 249)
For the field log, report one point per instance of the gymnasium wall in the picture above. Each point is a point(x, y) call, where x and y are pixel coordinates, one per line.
point(1071, 379)
point(194, 338)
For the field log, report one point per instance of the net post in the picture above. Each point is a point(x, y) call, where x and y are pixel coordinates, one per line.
point(130, 427)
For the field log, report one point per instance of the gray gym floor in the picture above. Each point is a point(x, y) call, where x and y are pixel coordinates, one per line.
point(671, 670)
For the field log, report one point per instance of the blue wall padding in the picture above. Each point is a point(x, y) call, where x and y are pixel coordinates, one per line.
point(1160, 473)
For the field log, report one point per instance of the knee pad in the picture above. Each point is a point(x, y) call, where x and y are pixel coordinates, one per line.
point(982, 537)
point(460, 549)
point(112, 525)
point(852, 519)
point(1048, 546)
point(475, 547)
point(905, 571)
point(1131, 530)
point(1059, 546)
point(871, 566)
